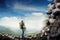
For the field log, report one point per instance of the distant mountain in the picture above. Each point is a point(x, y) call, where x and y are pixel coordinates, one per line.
point(4, 30)
point(8, 31)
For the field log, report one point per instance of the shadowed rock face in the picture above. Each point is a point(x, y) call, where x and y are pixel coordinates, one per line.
point(54, 27)
point(57, 1)
point(53, 21)
point(57, 13)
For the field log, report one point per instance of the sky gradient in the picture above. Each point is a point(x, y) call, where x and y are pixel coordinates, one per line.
point(21, 7)
point(32, 12)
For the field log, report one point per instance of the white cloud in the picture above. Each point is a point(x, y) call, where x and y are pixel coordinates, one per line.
point(18, 6)
point(10, 22)
point(49, 0)
point(34, 22)
point(37, 14)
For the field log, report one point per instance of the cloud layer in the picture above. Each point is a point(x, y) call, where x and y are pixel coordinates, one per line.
point(34, 22)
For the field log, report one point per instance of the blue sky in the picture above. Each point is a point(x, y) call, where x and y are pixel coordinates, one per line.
point(31, 11)
point(6, 7)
